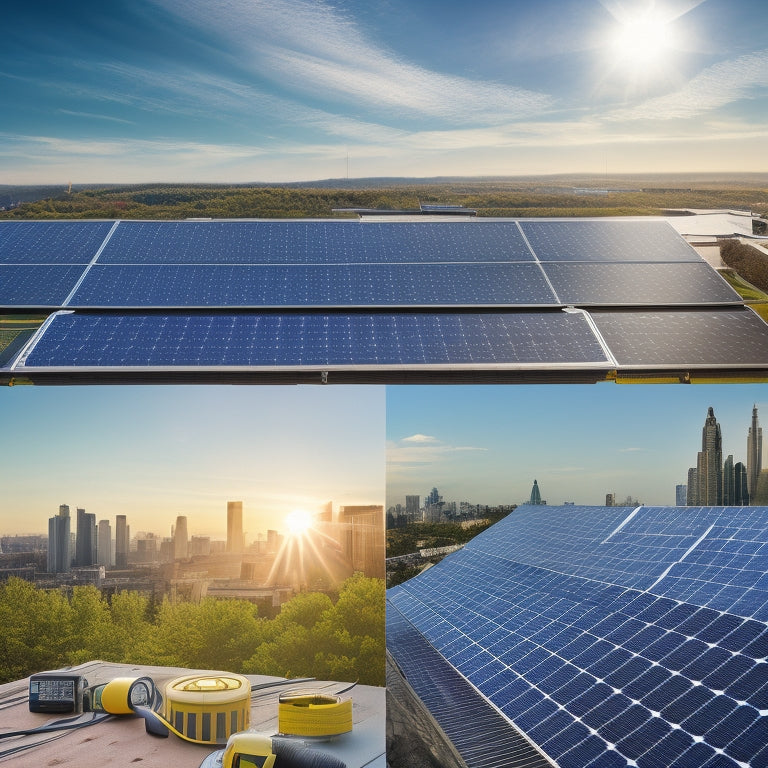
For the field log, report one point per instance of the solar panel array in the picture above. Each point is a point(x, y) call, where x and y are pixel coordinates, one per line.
point(608, 636)
point(322, 283)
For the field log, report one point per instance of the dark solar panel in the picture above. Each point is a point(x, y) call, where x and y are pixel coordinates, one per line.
point(314, 242)
point(607, 241)
point(595, 614)
point(639, 284)
point(722, 337)
point(51, 242)
point(40, 285)
point(409, 339)
point(358, 285)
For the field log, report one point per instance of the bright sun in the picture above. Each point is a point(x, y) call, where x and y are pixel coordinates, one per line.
point(298, 522)
point(641, 39)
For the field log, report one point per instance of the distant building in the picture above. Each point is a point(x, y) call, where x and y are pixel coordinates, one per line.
point(362, 538)
point(104, 544)
point(610, 499)
point(85, 543)
point(681, 495)
point(535, 494)
point(59, 560)
point(122, 541)
point(235, 542)
point(180, 539)
point(413, 508)
point(691, 495)
point(754, 454)
point(741, 494)
point(201, 545)
point(709, 467)
point(729, 482)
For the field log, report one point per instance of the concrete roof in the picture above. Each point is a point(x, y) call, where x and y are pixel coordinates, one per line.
point(123, 741)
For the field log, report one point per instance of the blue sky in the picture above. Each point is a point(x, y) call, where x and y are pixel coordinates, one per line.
point(244, 90)
point(487, 444)
point(156, 452)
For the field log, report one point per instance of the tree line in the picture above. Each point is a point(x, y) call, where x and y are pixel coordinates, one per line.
point(312, 636)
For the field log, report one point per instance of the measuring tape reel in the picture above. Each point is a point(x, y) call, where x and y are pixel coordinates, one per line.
point(313, 714)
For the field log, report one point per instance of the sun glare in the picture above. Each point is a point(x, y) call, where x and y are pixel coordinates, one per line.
point(642, 40)
point(298, 522)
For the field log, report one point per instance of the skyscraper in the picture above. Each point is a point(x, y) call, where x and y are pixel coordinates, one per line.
point(58, 542)
point(681, 495)
point(413, 508)
point(691, 494)
point(122, 541)
point(729, 482)
point(180, 539)
point(754, 454)
point(709, 466)
point(104, 545)
point(85, 543)
point(235, 541)
point(535, 494)
point(741, 494)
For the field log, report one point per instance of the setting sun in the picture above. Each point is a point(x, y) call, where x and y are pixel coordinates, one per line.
point(298, 522)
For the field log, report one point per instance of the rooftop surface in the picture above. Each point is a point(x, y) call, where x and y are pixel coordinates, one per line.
point(122, 740)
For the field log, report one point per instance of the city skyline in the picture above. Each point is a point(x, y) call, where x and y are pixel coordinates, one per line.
point(153, 453)
point(486, 445)
point(296, 90)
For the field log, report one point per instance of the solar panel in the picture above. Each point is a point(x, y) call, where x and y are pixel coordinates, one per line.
point(722, 337)
point(298, 285)
point(639, 284)
point(39, 285)
point(610, 653)
point(607, 241)
point(314, 242)
point(49, 242)
point(278, 339)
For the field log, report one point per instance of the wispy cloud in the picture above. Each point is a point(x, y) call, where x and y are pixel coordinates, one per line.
point(312, 48)
point(421, 439)
point(94, 116)
point(714, 87)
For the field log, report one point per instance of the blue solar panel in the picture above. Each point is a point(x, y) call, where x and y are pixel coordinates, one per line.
point(358, 285)
point(87, 340)
point(607, 241)
point(42, 285)
point(51, 242)
point(639, 284)
point(628, 664)
point(314, 242)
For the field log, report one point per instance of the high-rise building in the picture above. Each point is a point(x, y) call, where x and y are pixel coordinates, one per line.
point(180, 539)
point(235, 541)
point(681, 495)
point(741, 494)
point(85, 543)
point(413, 508)
point(709, 467)
point(104, 544)
point(754, 454)
point(729, 482)
point(122, 541)
point(691, 496)
point(610, 499)
point(59, 560)
point(535, 494)
point(363, 538)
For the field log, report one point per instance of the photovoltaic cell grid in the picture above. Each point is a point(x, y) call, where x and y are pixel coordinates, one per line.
point(727, 337)
point(316, 263)
point(642, 659)
point(313, 242)
point(298, 285)
point(407, 339)
point(607, 241)
point(451, 700)
point(51, 242)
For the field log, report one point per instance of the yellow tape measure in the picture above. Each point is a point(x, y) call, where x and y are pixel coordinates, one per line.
point(303, 713)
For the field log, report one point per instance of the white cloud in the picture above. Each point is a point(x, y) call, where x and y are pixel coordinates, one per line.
point(714, 87)
point(421, 439)
point(313, 48)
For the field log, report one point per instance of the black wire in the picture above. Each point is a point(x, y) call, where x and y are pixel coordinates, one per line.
point(67, 724)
